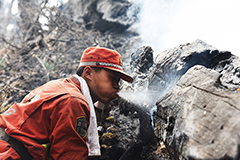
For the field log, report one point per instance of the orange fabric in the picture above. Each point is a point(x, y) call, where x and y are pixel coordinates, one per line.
point(49, 115)
point(7, 152)
point(99, 54)
point(104, 58)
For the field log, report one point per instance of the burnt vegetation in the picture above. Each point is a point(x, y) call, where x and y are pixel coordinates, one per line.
point(42, 42)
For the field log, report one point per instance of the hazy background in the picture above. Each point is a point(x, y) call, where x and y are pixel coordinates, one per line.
point(166, 24)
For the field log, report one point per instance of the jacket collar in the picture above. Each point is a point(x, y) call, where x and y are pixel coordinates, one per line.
point(76, 82)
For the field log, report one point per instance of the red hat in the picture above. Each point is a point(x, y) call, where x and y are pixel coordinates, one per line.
point(104, 58)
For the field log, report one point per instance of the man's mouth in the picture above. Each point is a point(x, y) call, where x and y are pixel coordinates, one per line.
point(116, 94)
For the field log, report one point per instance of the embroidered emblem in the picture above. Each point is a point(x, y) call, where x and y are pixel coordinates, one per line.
point(120, 61)
point(81, 126)
point(9, 111)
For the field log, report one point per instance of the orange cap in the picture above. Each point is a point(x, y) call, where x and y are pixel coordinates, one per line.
point(104, 58)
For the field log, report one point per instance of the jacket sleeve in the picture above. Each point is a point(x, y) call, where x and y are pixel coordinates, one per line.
point(69, 123)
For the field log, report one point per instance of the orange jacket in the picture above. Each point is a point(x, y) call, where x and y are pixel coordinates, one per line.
point(55, 113)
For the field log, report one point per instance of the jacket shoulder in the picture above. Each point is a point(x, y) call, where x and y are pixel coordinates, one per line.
point(54, 89)
point(72, 88)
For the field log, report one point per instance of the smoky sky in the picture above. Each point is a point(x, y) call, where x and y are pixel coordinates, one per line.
point(164, 24)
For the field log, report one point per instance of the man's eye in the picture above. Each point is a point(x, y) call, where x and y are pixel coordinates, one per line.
point(115, 79)
point(112, 78)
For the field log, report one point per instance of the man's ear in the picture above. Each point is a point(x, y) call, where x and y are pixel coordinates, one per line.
point(87, 73)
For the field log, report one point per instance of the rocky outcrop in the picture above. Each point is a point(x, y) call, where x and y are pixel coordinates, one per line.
point(195, 88)
point(173, 63)
point(197, 115)
point(102, 15)
point(198, 118)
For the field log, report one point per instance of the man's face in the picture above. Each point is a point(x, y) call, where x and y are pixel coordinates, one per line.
point(105, 85)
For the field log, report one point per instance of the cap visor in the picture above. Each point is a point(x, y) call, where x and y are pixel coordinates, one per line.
point(124, 76)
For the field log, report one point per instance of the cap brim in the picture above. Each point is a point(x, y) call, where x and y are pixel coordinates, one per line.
point(124, 76)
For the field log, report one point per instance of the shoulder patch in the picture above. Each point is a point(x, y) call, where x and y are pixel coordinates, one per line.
point(81, 126)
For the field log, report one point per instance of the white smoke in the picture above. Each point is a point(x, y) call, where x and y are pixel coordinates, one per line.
point(141, 98)
point(165, 24)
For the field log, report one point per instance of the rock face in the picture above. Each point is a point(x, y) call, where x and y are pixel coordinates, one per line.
point(102, 15)
point(197, 116)
point(173, 63)
point(197, 88)
point(197, 111)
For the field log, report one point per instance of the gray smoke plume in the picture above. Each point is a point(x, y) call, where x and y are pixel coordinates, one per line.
point(164, 24)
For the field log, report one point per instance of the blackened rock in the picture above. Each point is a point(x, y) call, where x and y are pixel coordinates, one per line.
point(142, 59)
point(133, 152)
point(171, 64)
point(230, 72)
point(101, 15)
point(199, 119)
point(141, 65)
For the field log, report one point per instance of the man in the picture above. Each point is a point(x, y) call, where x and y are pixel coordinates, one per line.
point(61, 112)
